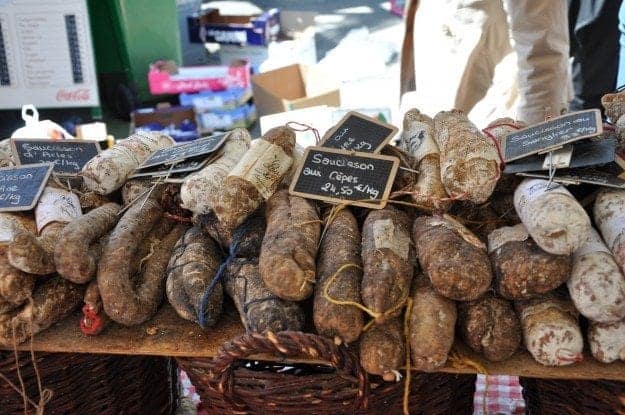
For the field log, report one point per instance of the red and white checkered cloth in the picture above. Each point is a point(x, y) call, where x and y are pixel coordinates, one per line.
point(503, 396)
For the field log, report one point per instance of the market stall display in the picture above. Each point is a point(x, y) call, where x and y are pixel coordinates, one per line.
point(403, 282)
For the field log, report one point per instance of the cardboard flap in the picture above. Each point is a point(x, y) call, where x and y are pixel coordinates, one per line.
point(317, 81)
point(332, 99)
point(284, 83)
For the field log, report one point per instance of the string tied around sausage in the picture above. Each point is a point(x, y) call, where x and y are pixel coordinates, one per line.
point(219, 275)
point(375, 315)
point(487, 132)
point(301, 127)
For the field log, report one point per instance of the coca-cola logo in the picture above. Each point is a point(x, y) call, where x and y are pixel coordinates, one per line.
point(75, 95)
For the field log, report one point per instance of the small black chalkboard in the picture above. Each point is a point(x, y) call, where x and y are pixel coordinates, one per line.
point(585, 154)
point(68, 156)
point(552, 134)
point(358, 132)
point(340, 176)
point(20, 187)
point(184, 151)
point(184, 167)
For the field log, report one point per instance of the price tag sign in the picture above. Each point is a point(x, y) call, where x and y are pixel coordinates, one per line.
point(339, 176)
point(185, 167)
point(583, 176)
point(21, 187)
point(183, 151)
point(68, 156)
point(552, 134)
point(357, 132)
point(585, 154)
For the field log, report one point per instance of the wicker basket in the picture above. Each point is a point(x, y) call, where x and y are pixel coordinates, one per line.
point(90, 384)
point(229, 384)
point(575, 397)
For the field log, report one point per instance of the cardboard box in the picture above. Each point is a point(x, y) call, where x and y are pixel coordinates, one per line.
point(222, 120)
point(293, 87)
point(295, 44)
point(167, 78)
point(210, 25)
point(180, 123)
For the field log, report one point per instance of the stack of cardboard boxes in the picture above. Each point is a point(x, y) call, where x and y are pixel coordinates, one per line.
point(219, 95)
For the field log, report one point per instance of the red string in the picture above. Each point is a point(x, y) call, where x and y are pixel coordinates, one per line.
point(177, 218)
point(303, 128)
point(91, 323)
point(488, 134)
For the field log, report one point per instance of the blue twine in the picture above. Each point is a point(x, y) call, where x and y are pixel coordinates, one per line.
point(237, 236)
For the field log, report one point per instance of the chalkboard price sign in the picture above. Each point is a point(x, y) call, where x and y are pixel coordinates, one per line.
point(552, 134)
point(20, 187)
point(185, 151)
point(68, 156)
point(185, 167)
point(587, 176)
point(339, 176)
point(357, 132)
point(587, 153)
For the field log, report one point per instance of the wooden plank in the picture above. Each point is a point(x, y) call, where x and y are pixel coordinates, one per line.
point(164, 335)
point(168, 335)
point(522, 364)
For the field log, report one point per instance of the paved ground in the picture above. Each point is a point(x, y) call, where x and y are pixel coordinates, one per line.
point(335, 19)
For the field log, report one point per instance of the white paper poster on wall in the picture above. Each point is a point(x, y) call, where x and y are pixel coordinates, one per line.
point(46, 55)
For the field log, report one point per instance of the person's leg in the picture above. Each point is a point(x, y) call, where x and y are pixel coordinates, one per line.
point(540, 32)
point(595, 57)
point(491, 47)
point(457, 43)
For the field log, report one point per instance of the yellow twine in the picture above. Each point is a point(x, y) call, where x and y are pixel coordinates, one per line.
point(308, 222)
point(408, 374)
point(332, 214)
point(45, 395)
point(148, 256)
point(462, 362)
point(25, 397)
point(373, 314)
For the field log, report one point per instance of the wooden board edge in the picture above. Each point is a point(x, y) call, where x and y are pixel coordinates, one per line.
point(379, 148)
point(166, 334)
point(333, 200)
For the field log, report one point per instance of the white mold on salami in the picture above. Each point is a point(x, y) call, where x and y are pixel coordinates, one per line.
point(552, 216)
point(550, 331)
point(597, 286)
point(607, 341)
point(609, 213)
